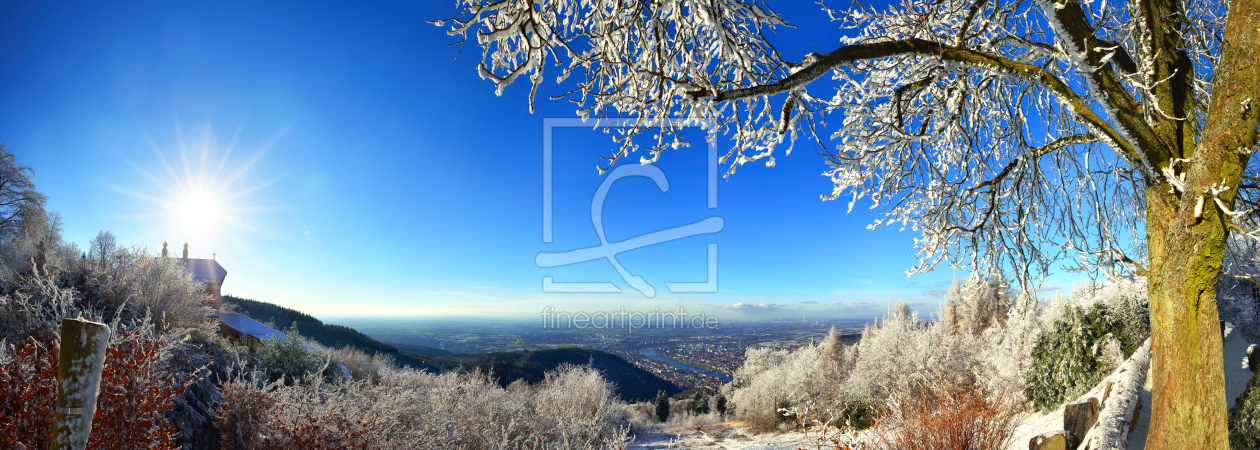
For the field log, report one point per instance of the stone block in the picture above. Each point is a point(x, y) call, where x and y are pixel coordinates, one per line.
point(1079, 417)
point(1052, 440)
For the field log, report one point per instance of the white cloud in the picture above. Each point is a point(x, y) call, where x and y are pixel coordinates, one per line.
point(741, 306)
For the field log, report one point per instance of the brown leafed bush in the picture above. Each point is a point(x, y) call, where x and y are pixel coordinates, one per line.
point(136, 392)
point(28, 389)
point(951, 417)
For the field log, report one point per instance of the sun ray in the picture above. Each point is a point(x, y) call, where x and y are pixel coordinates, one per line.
point(191, 191)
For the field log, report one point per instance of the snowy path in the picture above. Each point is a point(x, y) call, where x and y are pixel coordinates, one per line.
point(726, 435)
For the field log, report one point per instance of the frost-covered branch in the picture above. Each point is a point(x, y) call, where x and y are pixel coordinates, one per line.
point(855, 52)
point(960, 119)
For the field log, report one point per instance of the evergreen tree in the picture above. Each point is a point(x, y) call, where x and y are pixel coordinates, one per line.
point(662, 406)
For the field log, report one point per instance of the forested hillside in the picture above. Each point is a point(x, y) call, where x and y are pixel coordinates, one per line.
point(329, 335)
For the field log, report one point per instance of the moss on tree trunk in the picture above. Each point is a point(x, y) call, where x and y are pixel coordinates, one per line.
point(1186, 249)
point(1188, 373)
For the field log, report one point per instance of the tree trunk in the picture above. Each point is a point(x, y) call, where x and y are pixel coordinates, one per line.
point(1186, 249)
point(1188, 378)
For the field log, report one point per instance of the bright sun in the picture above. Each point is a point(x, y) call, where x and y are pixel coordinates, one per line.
point(201, 196)
point(197, 212)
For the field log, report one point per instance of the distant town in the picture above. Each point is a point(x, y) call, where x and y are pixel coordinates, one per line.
point(687, 357)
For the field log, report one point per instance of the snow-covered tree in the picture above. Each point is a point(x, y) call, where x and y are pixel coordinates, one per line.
point(771, 380)
point(1239, 289)
point(902, 353)
point(19, 201)
point(977, 305)
point(103, 246)
point(1008, 133)
point(948, 310)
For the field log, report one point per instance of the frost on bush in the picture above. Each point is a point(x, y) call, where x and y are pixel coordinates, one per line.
point(130, 283)
point(1244, 417)
point(289, 359)
point(973, 307)
point(903, 353)
point(28, 388)
point(138, 388)
point(838, 385)
point(1096, 332)
point(983, 341)
point(138, 381)
point(771, 380)
point(1003, 350)
point(363, 366)
point(572, 408)
point(306, 416)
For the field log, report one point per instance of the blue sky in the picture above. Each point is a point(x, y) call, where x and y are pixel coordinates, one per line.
point(355, 167)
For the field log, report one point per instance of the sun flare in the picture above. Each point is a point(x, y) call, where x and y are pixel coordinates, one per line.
point(199, 194)
point(197, 212)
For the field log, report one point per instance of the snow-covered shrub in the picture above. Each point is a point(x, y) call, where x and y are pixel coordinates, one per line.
point(163, 287)
point(688, 419)
point(1244, 417)
point(136, 282)
point(363, 366)
point(1125, 301)
point(137, 389)
point(638, 417)
point(289, 358)
point(37, 306)
point(1004, 349)
point(576, 403)
point(243, 415)
point(946, 416)
point(573, 408)
point(1084, 345)
point(310, 414)
point(842, 386)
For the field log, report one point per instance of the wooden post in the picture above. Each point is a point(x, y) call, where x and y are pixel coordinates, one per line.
point(83, 346)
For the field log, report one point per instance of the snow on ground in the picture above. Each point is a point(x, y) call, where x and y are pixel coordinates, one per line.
point(730, 436)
